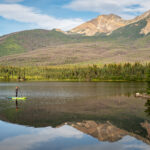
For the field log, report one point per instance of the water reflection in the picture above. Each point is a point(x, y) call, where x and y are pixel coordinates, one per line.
point(107, 131)
point(67, 137)
point(65, 90)
point(147, 104)
point(17, 107)
point(117, 116)
point(148, 88)
point(33, 138)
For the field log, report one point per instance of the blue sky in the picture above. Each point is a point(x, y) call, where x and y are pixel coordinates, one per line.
point(17, 15)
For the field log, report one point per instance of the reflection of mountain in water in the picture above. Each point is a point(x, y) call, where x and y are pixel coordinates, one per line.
point(146, 125)
point(124, 112)
point(101, 131)
point(75, 102)
point(107, 131)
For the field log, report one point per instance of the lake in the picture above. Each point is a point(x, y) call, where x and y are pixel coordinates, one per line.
point(74, 116)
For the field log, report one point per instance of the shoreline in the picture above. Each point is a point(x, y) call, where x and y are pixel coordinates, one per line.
point(70, 80)
point(146, 96)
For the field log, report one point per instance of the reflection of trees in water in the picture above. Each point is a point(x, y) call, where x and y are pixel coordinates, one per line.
point(148, 88)
point(147, 104)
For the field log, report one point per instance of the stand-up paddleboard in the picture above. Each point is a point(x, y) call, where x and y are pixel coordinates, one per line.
point(17, 98)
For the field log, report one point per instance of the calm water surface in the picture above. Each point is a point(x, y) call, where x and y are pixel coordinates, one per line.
point(74, 116)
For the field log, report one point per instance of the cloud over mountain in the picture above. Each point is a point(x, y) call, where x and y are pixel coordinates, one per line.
point(13, 1)
point(32, 16)
point(125, 8)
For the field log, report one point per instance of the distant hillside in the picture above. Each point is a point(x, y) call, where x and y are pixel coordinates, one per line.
point(130, 32)
point(33, 39)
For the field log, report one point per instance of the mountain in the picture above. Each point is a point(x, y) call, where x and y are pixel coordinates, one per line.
point(107, 24)
point(101, 24)
point(114, 40)
point(146, 29)
point(131, 31)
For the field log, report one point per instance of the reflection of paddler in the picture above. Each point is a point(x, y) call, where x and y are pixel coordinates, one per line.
point(17, 91)
point(17, 105)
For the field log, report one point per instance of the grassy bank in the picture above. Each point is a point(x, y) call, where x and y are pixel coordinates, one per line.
point(110, 72)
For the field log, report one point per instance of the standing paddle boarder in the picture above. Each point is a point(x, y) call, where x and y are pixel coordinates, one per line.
point(16, 99)
point(17, 91)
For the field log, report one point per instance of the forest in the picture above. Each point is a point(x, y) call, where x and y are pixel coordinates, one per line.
point(109, 72)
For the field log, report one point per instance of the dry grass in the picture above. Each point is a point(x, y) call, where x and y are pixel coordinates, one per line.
point(80, 53)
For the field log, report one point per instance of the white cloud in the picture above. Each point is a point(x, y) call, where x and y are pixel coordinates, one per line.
point(124, 8)
point(13, 1)
point(30, 15)
point(127, 143)
point(26, 141)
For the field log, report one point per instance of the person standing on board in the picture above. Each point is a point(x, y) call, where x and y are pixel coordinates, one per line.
point(17, 91)
point(16, 99)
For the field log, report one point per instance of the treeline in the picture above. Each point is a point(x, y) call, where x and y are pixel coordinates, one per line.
point(110, 72)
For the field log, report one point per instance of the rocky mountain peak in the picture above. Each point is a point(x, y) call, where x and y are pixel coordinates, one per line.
point(101, 24)
point(108, 23)
point(109, 16)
